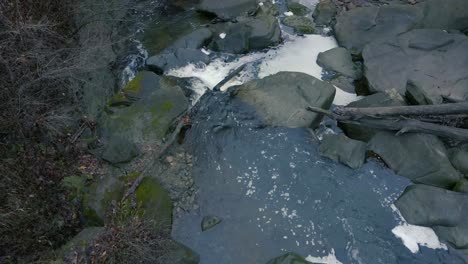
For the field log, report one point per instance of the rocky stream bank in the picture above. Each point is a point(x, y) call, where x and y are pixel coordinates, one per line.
point(251, 174)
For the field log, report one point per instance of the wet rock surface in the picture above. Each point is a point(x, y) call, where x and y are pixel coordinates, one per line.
point(300, 24)
point(404, 154)
point(227, 9)
point(339, 60)
point(426, 64)
point(281, 99)
point(343, 149)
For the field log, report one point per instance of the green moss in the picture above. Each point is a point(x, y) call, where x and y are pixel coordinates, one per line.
point(130, 176)
point(134, 86)
point(118, 99)
point(155, 203)
point(90, 214)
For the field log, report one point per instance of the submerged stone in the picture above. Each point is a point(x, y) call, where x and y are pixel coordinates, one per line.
point(288, 258)
point(343, 149)
point(209, 222)
point(281, 99)
point(419, 157)
point(300, 24)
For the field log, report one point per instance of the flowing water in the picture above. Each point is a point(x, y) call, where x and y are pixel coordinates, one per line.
point(270, 186)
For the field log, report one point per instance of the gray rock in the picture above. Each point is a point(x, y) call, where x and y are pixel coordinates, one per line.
point(344, 83)
point(419, 157)
point(456, 236)
point(180, 57)
point(447, 14)
point(324, 13)
point(228, 9)
point(459, 158)
point(461, 186)
point(430, 206)
point(209, 222)
point(358, 27)
point(288, 258)
point(195, 40)
point(298, 9)
point(426, 64)
point(79, 245)
point(340, 61)
point(281, 99)
point(379, 99)
point(156, 102)
point(268, 8)
point(343, 149)
point(249, 34)
point(120, 150)
point(300, 24)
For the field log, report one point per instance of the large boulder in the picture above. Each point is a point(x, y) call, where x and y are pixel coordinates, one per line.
point(140, 113)
point(228, 9)
point(281, 99)
point(339, 60)
point(379, 99)
point(459, 158)
point(195, 40)
point(447, 14)
point(431, 206)
point(358, 27)
point(248, 34)
point(300, 24)
point(343, 149)
point(324, 13)
point(426, 64)
point(419, 157)
point(445, 211)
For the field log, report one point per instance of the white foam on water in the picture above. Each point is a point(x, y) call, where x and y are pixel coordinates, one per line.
point(299, 54)
point(414, 236)
point(329, 259)
point(289, 13)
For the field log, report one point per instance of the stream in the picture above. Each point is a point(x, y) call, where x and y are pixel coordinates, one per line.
point(270, 186)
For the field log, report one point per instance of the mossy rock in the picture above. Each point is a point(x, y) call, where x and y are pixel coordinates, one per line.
point(154, 203)
point(98, 198)
point(180, 254)
point(75, 186)
point(300, 24)
point(288, 258)
point(79, 244)
point(156, 102)
point(298, 9)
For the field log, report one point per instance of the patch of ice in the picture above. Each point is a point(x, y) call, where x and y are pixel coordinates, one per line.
point(206, 51)
point(414, 236)
point(329, 259)
point(289, 13)
point(222, 35)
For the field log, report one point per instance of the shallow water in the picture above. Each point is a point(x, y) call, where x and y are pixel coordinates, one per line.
point(272, 189)
point(275, 193)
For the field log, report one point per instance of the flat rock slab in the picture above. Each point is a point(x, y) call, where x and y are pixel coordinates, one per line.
point(281, 99)
point(228, 9)
point(343, 149)
point(426, 64)
point(339, 60)
point(358, 27)
point(419, 157)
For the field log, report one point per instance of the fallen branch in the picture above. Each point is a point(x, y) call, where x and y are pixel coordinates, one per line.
point(394, 124)
point(229, 77)
point(442, 109)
